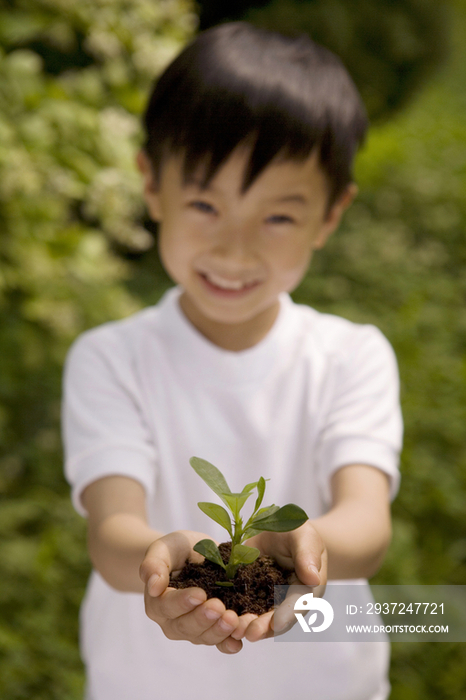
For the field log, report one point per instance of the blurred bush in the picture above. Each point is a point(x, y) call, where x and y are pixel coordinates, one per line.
point(73, 79)
point(390, 48)
point(75, 252)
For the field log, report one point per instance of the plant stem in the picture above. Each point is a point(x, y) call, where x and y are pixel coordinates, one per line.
point(237, 538)
point(230, 571)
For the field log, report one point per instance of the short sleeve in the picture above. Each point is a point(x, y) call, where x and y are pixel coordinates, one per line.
point(103, 423)
point(363, 423)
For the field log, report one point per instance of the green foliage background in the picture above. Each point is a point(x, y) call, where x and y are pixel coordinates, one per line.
point(74, 252)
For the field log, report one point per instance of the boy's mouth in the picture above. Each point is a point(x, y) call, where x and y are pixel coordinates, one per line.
point(228, 286)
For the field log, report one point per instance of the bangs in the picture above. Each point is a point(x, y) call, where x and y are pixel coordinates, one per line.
point(265, 140)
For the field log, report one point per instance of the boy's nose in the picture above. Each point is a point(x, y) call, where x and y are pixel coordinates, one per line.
point(235, 244)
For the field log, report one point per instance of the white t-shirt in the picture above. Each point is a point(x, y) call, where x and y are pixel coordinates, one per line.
point(145, 394)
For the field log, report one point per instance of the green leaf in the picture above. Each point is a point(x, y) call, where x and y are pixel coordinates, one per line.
point(235, 501)
point(212, 476)
point(260, 492)
point(250, 487)
point(217, 513)
point(210, 551)
point(287, 518)
point(249, 532)
point(264, 513)
point(242, 554)
point(224, 583)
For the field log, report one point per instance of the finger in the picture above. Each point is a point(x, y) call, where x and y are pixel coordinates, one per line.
point(172, 603)
point(155, 568)
point(284, 616)
point(162, 557)
point(202, 625)
point(243, 623)
point(260, 628)
point(308, 557)
point(222, 628)
point(230, 646)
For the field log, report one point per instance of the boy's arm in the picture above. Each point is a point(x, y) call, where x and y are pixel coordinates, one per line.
point(118, 532)
point(120, 539)
point(357, 529)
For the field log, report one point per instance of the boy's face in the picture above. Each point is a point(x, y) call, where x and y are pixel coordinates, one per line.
point(232, 252)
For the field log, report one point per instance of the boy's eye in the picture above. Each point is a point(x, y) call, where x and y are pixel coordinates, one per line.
point(202, 206)
point(280, 219)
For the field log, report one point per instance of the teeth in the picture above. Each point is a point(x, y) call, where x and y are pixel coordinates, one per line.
point(235, 285)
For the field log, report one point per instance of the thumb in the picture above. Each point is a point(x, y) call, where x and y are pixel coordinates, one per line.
point(310, 557)
point(155, 568)
point(167, 554)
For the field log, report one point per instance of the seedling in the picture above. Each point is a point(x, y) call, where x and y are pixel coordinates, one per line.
point(272, 519)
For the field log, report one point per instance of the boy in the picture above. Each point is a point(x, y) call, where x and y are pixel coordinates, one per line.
point(247, 169)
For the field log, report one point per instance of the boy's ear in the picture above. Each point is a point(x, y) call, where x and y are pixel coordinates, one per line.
point(333, 217)
point(151, 189)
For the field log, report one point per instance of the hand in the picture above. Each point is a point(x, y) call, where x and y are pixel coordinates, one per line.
point(186, 613)
point(301, 550)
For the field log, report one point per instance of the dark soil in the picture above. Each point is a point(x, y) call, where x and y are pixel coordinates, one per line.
point(253, 589)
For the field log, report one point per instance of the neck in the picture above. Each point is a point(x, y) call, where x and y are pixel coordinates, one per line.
point(231, 336)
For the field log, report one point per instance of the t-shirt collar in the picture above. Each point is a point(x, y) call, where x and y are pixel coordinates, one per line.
point(217, 365)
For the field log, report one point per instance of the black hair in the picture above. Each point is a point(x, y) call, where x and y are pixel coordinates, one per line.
point(238, 84)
